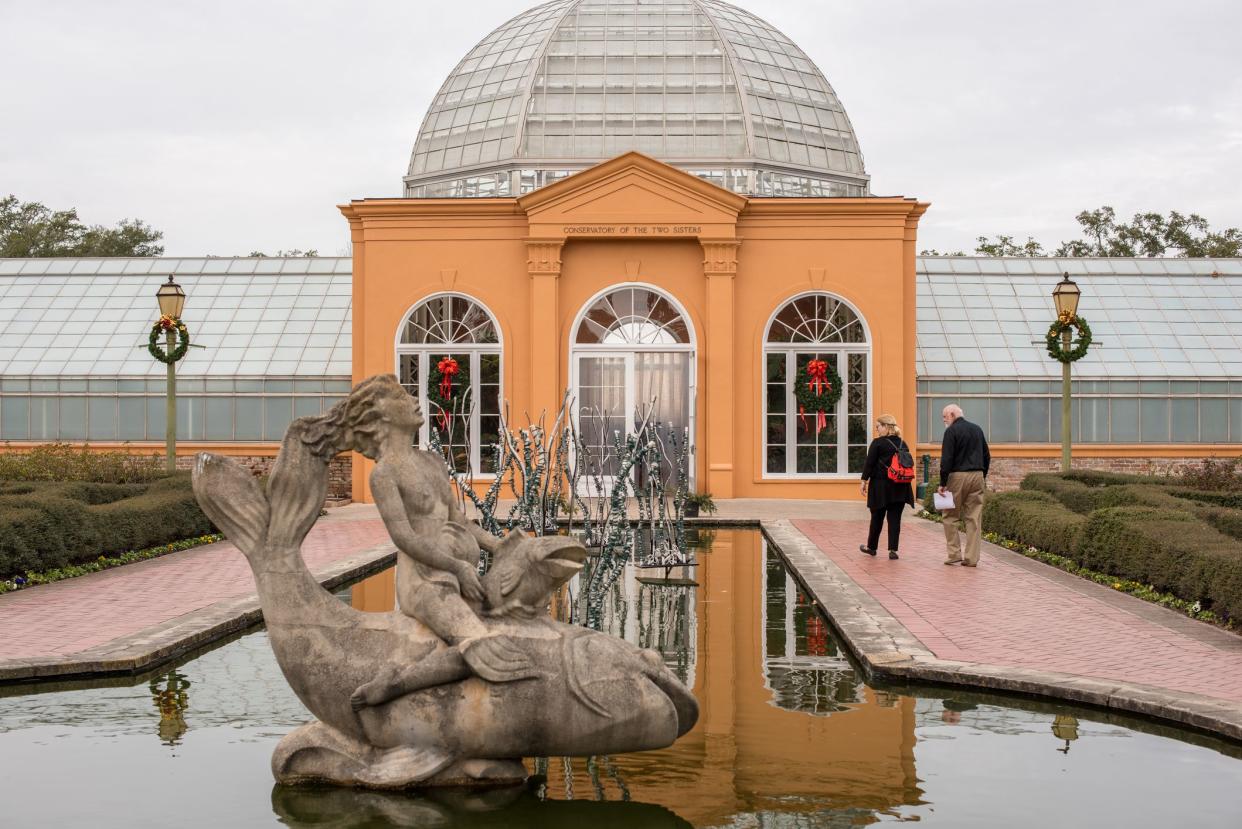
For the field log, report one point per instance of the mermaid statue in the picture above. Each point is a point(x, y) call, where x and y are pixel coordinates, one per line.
point(469, 675)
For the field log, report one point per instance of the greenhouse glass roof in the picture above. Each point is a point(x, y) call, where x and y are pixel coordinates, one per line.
point(1150, 318)
point(253, 317)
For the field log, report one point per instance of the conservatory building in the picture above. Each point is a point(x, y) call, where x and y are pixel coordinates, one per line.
point(649, 209)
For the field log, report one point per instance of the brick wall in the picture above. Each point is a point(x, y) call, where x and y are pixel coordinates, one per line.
point(1007, 473)
point(340, 471)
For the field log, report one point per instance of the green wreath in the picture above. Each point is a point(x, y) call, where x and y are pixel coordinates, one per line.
point(804, 389)
point(183, 340)
point(1057, 351)
point(460, 385)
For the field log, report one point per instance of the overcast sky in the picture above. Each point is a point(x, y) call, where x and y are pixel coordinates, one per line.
point(236, 126)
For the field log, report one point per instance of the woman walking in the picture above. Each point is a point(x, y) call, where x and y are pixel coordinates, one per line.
point(882, 482)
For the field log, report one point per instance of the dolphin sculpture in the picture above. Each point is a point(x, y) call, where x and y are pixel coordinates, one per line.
point(592, 693)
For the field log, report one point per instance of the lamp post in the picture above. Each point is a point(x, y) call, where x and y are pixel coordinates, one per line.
point(1065, 298)
point(171, 299)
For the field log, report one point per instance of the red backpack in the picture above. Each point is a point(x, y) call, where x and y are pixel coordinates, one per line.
point(901, 467)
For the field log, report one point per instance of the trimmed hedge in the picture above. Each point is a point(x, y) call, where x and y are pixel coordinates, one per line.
point(1033, 518)
point(1150, 529)
point(1169, 549)
point(46, 525)
point(66, 462)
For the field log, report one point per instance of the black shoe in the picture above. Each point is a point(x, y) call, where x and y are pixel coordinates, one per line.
point(892, 555)
point(862, 548)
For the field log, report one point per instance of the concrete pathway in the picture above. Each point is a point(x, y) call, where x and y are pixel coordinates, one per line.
point(112, 616)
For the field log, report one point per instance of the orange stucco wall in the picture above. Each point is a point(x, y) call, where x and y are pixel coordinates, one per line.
point(728, 260)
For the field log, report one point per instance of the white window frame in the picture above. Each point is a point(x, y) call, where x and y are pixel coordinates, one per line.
point(424, 352)
point(577, 349)
point(789, 350)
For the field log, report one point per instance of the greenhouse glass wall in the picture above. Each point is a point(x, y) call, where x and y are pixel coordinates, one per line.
point(1165, 365)
point(273, 342)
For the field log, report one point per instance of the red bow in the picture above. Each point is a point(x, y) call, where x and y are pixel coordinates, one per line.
point(821, 419)
point(817, 372)
point(167, 322)
point(447, 368)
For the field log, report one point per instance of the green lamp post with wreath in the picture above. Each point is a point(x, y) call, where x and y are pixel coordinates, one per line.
point(176, 342)
point(1061, 347)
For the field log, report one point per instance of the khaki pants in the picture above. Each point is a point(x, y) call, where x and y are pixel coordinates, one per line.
point(967, 489)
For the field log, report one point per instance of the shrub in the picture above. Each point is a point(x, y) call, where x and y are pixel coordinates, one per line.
point(1214, 476)
point(53, 524)
point(1151, 529)
point(1169, 549)
point(1231, 500)
point(1096, 478)
point(1074, 494)
point(1033, 518)
point(65, 462)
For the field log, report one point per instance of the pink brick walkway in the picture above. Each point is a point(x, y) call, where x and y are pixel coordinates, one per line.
point(1013, 612)
point(76, 614)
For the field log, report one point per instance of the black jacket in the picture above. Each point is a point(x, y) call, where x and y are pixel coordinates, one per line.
point(964, 449)
point(884, 491)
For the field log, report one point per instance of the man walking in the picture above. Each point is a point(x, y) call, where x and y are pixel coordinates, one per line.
point(964, 462)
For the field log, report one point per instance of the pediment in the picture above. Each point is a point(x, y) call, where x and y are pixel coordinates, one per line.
point(632, 190)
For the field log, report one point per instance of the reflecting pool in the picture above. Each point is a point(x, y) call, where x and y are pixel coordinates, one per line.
point(789, 735)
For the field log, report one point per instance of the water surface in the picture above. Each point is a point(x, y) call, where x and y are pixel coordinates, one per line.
point(789, 735)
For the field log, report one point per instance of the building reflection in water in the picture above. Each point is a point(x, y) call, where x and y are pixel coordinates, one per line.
point(786, 725)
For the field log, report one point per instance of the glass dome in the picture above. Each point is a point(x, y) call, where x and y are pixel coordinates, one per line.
point(699, 84)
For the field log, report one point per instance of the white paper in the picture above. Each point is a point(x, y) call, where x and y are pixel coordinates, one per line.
point(943, 502)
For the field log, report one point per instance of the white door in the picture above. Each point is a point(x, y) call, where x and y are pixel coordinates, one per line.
point(612, 391)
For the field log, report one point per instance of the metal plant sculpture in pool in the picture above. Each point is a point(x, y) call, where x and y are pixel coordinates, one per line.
point(560, 479)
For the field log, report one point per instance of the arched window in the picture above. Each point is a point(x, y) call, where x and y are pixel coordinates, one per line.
point(632, 344)
point(459, 328)
point(632, 315)
point(796, 442)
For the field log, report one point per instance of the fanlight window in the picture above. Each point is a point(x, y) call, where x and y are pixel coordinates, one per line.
point(823, 329)
point(454, 330)
point(449, 319)
point(633, 316)
point(816, 318)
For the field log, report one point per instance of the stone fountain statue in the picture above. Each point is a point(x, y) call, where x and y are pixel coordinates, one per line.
point(470, 674)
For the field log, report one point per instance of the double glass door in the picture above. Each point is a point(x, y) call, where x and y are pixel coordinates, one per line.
point(615, 392)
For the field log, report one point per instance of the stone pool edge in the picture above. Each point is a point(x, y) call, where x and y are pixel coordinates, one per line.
point(887, 650)
point(174, 637)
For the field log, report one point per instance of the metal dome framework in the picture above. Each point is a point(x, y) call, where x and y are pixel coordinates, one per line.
point(699, 84)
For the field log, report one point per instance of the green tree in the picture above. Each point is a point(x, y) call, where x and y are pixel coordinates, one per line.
point(1150, 234)
point(1146, 234)
point(30, 229)
point(1006, 246)
point(310, 252)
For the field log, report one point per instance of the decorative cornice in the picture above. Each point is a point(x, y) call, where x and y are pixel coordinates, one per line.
point(720, 256)
point(543, 256)
point(852, 207)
